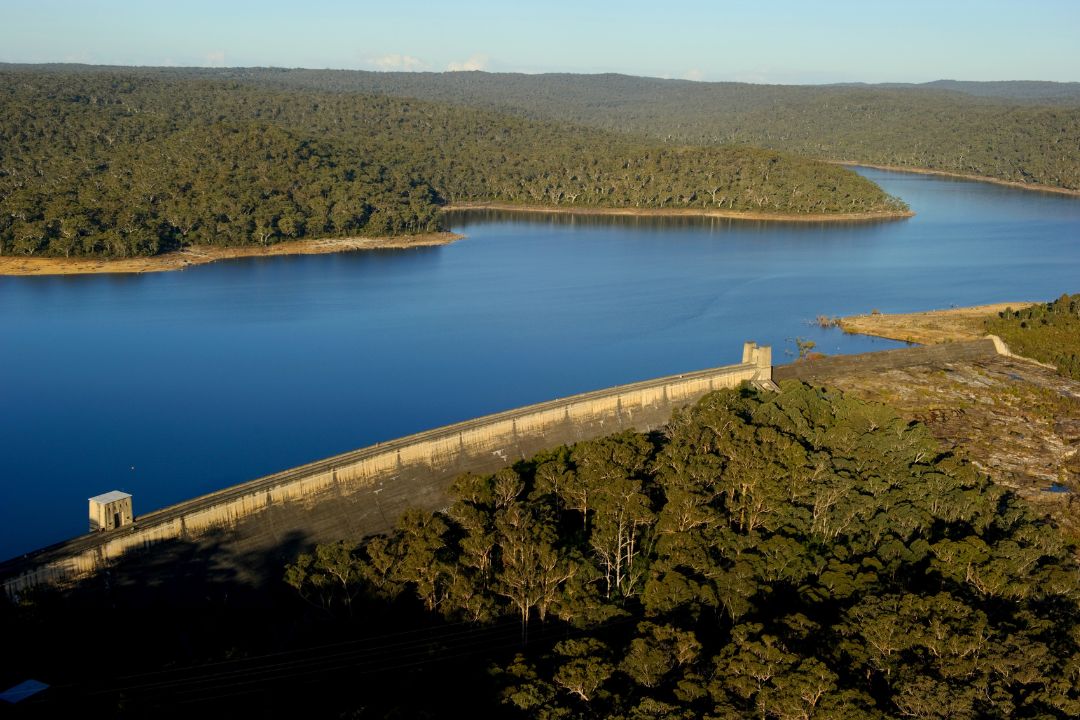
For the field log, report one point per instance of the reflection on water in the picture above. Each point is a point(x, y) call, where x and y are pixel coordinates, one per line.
point(169, 385)
point(469, 216)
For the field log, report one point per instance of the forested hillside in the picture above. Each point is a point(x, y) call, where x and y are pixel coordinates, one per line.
point(1022, 132)
point(137, 162)
point(790, 555)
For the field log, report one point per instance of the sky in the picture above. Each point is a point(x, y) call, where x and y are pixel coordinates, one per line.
point(767, 41)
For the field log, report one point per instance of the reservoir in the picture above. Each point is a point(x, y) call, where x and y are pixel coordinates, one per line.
point(170, 385)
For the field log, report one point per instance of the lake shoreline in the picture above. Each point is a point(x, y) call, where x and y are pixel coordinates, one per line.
point(929, 327)
point(203, 254)
point(1033, 187)
point(683, 212)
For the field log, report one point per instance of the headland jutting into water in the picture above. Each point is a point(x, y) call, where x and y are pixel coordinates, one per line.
point(204, 254)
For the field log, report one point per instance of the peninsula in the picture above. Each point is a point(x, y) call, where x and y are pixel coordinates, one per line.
point(928, 327)
point(204, 254)
point(147, 163)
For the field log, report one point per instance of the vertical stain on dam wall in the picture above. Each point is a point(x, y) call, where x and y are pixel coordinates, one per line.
point(364, 491)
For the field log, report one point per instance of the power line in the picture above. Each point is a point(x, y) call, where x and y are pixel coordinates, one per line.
point(196, 681)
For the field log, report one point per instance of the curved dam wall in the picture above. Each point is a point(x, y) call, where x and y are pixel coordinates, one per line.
point(365, 491)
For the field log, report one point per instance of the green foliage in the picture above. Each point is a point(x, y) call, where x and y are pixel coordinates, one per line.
point(792, 555)
point(138, 162)
point(1049, 332)
point(327, 578)
point(1017, 132)
point(805, 348)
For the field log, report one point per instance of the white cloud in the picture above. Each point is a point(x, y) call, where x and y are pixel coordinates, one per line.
point(694, 74)
point(215, 58)
point(397, 62)
point(475, 62)
point(82, 57)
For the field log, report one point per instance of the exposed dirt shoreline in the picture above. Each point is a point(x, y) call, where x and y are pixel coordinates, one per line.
point(963, 176)
point(928, 328)
point(683, 212)
point(203, 254)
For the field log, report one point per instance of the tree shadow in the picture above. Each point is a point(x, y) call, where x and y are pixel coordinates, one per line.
point(175, 603)
point(210, 627)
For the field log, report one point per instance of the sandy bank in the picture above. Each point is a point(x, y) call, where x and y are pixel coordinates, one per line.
point(681, 212)
point(962, 176)
point(202, 254)
point(928, 328)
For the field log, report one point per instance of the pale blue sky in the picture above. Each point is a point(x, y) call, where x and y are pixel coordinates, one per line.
point(780, 41)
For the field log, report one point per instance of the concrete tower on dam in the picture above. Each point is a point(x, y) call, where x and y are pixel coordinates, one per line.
point(110, 511)
point(364, 491)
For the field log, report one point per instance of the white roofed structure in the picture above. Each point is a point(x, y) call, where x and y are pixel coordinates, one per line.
point(111, 496)
point(110, 510)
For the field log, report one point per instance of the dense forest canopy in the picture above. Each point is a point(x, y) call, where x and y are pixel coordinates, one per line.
point(136, 162)
point(789, 556)
point(1026, 132)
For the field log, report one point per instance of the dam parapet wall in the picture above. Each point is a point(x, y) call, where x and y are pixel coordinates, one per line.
point(364, 491)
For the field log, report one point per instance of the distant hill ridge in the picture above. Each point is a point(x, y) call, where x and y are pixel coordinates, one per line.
point(1024, 132)
point(1009, 90)
point(1019, 131)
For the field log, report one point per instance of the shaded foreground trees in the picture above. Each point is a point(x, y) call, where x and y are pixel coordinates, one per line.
point(783, 556)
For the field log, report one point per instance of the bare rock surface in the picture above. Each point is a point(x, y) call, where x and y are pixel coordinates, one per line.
point(1017, 420)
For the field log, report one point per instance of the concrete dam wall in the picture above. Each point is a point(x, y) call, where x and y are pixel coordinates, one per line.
point(365, 491)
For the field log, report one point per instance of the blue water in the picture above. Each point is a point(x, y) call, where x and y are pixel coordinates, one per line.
point(175, 384)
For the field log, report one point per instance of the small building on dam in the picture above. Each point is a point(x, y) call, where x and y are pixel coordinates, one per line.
point(110, 511)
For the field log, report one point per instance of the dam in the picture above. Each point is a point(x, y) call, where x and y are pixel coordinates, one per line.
point(256, 527)
point(364, 491)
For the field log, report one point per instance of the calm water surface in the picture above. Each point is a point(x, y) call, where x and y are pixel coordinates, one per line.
point(175, 384)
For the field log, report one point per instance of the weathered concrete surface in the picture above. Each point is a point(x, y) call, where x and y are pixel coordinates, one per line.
point(364, 491)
